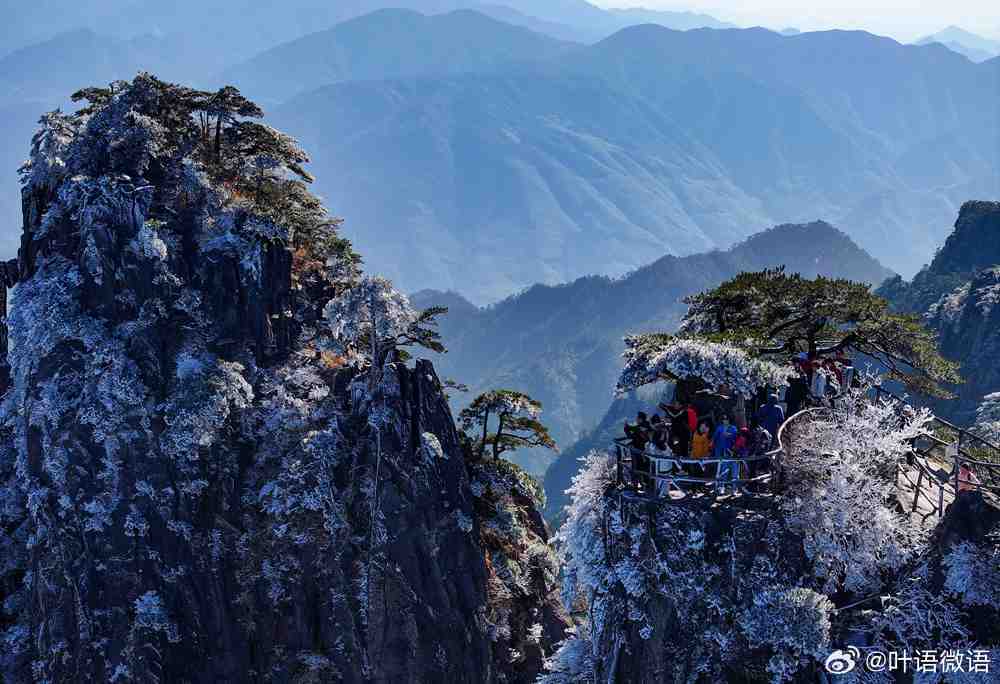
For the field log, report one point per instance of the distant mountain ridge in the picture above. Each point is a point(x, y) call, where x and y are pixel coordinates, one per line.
point(563, 344)
point(975, 47)
point(387, 44)
point(493, 176)
point(251, 26)
point(49, 48)
point(652, 141)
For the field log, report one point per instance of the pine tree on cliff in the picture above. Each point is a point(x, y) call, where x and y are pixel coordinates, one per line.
point(771, 315)
point(374, 322)
point(517, 424)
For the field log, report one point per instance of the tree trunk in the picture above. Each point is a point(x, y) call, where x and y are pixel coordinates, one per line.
point(486, 428)
point(496, 441)
point(218, 137)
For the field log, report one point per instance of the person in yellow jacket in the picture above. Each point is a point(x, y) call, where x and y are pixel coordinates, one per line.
point(701, 444)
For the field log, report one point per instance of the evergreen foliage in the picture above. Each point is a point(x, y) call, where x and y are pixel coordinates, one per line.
point(775, 314)
point(373, 320)
point(517, 425)
point(258, 165)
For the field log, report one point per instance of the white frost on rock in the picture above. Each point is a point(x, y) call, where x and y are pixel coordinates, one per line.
point(431, 448)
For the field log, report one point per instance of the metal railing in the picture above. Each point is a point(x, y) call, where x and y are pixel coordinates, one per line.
point(628, 475)
point(631, 475)
point(964, 451)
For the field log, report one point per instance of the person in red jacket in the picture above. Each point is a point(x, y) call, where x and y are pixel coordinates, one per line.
point(692, 414)
point(741, 447)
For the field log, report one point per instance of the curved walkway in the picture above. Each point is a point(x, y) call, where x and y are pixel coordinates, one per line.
point(669, 478)
point(945, 460)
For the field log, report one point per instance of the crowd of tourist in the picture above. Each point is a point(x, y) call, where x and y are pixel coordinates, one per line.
point(704, 429)
point(726, 431)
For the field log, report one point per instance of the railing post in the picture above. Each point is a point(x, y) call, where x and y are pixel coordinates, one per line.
point(916, 493)
point(958, 463)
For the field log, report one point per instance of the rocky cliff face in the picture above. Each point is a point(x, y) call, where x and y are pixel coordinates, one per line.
point(736, 601)
point(958, 295)
point(968, 323)
point(193, 486)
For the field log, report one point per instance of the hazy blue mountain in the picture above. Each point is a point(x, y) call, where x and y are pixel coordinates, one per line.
point(651, 142)
point(27, 23)
point(487, 183)
point(975, 47)
point(51, 70)
point(386, 44)
point(566, 32)
point(563, 344)
point(50, 48)
point(601, 158)
point(972, 53)
point(220, 33)
point(596, 23)
point(680, 21)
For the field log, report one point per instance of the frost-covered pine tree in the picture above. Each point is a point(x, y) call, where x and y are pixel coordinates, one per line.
point(775, 314)
point(373, 319)
point(656, 357)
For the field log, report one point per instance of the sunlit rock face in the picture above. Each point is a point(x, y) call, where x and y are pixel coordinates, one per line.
point(191, 487)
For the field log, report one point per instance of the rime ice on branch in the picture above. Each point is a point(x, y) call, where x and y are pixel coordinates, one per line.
point(653, 358)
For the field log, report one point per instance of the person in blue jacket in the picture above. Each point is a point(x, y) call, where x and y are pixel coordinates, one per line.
point(723, 442)
point(771, 415)
point(723, 438)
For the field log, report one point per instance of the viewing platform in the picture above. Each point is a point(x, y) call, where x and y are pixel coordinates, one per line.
point(667, 478)
point(943, 461)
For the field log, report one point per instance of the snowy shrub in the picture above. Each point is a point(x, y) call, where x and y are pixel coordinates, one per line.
point(212, 391)
point(573, 661)
point(842, 491)
point(150, 614)
point(794, 623)
point(463, 521)
point(652, 358)
point(49, 146)
point(914, 616)
point(973, 574)
point(988, 418)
